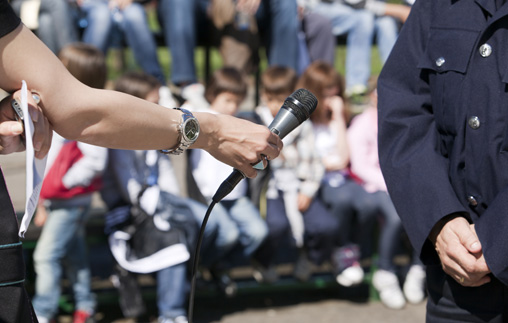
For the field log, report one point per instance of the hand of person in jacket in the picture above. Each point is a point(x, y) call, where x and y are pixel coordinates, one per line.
point(460, 251)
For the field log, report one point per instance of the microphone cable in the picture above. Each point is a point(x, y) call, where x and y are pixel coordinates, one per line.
point(196, 261)
point(224, 189)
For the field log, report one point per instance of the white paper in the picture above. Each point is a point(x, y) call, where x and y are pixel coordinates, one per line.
point(34, 167)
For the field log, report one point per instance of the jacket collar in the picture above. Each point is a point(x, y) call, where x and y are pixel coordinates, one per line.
point(487, 5)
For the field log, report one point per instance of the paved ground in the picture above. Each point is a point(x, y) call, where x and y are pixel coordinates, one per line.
point(319, 301)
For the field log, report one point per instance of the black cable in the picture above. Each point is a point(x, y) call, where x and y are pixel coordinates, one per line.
point(224, 189)
point(196, 260)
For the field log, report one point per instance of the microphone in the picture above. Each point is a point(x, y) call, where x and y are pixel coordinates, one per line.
point(296, 109)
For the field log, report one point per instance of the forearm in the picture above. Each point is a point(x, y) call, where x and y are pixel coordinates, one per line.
point(99, 117)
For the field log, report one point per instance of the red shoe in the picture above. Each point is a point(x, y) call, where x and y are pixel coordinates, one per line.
point(81, 316)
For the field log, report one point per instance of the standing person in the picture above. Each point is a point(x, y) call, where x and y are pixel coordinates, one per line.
point(66, 196)
point(225, 92)
point(294, 214)
point(362, 138)
point(97, 117)
point(442, 147)
point(347, 200)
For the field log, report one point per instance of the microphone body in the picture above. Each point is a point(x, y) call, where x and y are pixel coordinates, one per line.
point(295, 110)
point(283, 123)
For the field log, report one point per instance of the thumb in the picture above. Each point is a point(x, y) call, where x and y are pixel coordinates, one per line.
point(11, 128)
point(470, 240)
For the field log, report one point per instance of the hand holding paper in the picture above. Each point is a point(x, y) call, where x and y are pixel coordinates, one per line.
point(34, 167)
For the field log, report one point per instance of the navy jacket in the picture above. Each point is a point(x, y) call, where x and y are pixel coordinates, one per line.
point(443, 123)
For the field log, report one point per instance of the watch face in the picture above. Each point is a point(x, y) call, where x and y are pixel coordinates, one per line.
point(191, 129)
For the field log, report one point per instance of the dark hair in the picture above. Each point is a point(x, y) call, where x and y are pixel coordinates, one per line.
point(226, 79)
point(279, 81)
point(138, 84)
point(318, 76)
point(86, 63)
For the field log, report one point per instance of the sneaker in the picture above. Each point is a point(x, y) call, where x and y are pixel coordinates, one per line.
point(81, 316)
point(387, 285)
point(265, 275)
point(178, 319)
point(345, 257)
point(414, 286)
point(357, 94)
point(350, 276)
point(303, 268)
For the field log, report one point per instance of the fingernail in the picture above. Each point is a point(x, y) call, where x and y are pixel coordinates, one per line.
point(34, 115)
point(17, 129)
point(475, 244)
point(37, 146)
point(36, 98)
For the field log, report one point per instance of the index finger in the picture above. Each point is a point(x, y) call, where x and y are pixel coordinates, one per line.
point(274, 147)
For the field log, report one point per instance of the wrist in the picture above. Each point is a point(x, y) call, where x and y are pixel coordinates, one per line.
point(188, 132)
point(208, 130)
point(436, 230)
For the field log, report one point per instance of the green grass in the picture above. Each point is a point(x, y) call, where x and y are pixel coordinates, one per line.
point(116, 68)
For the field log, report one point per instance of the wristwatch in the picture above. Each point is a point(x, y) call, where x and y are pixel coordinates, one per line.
point(188, 131)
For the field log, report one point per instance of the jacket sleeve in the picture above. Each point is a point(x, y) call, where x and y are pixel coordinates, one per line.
point(90, 166)
point(415, 171)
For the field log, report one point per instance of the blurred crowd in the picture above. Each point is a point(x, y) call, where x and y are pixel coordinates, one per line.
point(323, 200)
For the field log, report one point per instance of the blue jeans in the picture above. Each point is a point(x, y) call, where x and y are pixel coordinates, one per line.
point(181, 20)
point(356, 212)
point(172, 290)
point(359, 27)
point(320, 233)
point(221, 234)
point(278, 24)
point(387, 30)
point(132, 23)
point(56, 27)
point(244, 218)
point(62, 239)
point(390, 230)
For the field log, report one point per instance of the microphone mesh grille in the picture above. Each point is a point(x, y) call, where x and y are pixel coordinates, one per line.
point(303, 103)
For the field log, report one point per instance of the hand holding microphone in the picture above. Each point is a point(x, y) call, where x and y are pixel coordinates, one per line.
point(296, 109)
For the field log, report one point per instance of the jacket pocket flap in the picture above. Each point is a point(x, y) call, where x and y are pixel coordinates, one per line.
point(448, 50)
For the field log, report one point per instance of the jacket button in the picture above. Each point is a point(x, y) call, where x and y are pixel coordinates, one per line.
point(472, 200)
point(474, 122)
point(440, 61)
point(485, 50)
